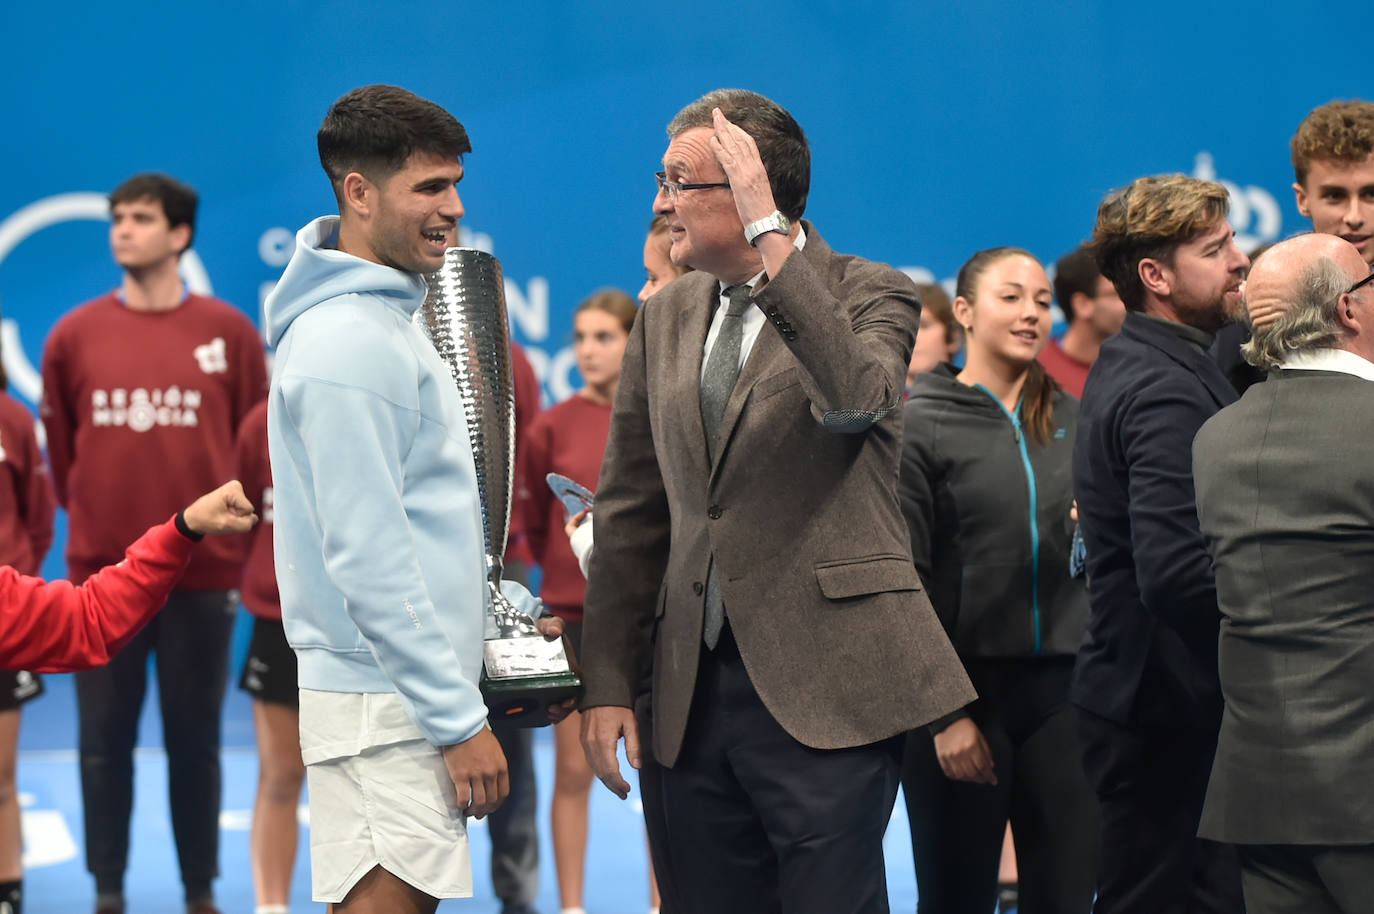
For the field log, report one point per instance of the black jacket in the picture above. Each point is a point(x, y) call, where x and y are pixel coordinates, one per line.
point(971, 482)
point(1150, 652)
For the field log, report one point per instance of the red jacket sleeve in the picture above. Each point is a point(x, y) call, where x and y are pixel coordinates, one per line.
point(56, 627)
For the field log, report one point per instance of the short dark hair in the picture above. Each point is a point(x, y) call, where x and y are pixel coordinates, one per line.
point(1075, 272)
point(1150, 219)
point(373, 130)
point(781, 142)
point(178, 200)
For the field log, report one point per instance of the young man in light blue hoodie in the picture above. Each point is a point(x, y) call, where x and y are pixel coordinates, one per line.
point(379, 549)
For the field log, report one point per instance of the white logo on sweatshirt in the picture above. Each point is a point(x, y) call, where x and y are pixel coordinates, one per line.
point(142, 409)
point(212, 357)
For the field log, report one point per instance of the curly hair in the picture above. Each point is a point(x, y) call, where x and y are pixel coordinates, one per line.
point(1150, 219)
point(1341, 131)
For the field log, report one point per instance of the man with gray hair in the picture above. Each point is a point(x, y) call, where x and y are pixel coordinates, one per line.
point(750, 550)
point(1289, 521)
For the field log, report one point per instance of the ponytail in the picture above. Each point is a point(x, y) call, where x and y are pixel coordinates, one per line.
point(1037, 402)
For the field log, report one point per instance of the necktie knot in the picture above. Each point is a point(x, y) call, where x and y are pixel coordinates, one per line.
point(737, 299)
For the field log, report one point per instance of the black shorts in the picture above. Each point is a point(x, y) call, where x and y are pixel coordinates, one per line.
point(269, 671)
point(18, 687)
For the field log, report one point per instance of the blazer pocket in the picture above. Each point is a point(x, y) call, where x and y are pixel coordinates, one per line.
point(775, 383)
point(870, 574)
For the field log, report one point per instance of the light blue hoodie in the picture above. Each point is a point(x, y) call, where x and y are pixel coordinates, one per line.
point(378, 528)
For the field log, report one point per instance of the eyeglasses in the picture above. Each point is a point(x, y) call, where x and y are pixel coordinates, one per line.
point(673, 189)
point(1363, 282)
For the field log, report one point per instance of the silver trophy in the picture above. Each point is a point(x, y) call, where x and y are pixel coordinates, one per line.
point(464, 316)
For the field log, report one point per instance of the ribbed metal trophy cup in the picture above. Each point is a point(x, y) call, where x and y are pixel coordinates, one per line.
point(464, 316)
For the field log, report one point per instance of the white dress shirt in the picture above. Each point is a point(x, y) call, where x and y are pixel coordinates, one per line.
point(753, 318)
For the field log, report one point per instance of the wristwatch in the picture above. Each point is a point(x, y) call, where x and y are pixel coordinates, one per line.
point(773, 222)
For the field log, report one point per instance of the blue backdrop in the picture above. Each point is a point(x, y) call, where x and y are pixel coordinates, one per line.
point(936, 129)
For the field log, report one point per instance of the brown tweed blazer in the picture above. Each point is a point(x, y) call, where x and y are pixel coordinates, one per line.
point(800, 510)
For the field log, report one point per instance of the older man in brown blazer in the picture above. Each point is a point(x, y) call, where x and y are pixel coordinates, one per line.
point(750, 549)
point(1285, 500)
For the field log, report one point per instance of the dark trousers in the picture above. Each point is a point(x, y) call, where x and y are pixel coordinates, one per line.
point(655, 816)
point(190, 639)
point(1150, 783)
point(1307, 879)
point(758, 822)
point(957, 827)
point(514, 836)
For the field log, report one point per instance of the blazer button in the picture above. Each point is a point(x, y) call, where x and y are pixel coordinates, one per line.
point(697, 588)
point(713, 512)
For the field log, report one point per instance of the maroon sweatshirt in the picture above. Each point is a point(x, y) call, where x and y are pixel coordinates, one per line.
point(526, 408)
point(141, 410)
point(26, 499)
point(260, 593)
point(568, 439)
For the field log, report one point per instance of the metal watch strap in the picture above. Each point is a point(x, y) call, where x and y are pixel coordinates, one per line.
point(773, 222)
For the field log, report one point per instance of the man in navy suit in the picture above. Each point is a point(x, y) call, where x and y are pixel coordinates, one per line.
point(1146, 677)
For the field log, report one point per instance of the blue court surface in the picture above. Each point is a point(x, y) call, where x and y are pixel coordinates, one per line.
point(56, 881)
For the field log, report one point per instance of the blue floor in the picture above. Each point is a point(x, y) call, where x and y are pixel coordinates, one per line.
point(56, 881)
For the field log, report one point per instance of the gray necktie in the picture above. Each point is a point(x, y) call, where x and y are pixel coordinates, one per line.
point(717, 381)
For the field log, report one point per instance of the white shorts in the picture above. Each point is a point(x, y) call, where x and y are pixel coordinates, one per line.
point(391, 806)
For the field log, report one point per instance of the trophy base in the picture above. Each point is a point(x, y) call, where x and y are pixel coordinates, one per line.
point(525, 702)
point(523, 677)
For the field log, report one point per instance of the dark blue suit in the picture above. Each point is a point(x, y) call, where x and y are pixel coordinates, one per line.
point(1146, 674)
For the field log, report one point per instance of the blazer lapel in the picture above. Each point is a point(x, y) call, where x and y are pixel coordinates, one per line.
point(768, 356)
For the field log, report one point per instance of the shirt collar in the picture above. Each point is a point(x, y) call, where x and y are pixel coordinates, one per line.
point(1340, 360)
point(799, 243)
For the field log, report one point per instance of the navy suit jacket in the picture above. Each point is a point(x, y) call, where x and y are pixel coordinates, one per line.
point(1149, 655)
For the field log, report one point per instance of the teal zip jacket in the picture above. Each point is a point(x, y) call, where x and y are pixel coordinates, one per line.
point(378, 530)
point(988, 511)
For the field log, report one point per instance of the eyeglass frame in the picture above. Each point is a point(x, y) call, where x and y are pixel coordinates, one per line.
point(1362, 283)
point(674, 189)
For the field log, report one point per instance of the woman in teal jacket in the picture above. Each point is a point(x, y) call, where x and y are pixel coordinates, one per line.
point(986, 491)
